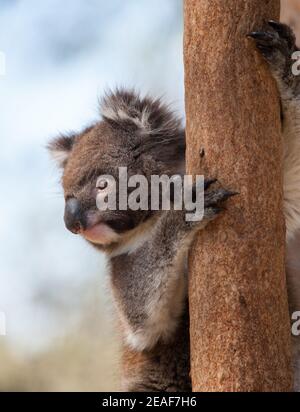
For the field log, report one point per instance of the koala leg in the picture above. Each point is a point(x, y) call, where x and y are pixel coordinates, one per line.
point(277, 45)
point(149, 285)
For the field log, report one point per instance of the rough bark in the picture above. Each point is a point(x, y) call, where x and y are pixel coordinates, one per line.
point(240, 336)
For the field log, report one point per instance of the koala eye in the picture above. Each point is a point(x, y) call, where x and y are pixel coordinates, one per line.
point(102, 184)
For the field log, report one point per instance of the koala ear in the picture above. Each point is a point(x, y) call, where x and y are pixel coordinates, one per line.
point(157, 130)
point(60, 149)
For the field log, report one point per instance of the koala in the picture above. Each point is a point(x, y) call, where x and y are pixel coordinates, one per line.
point(147, 249)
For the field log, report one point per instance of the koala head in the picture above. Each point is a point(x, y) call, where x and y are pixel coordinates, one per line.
point(140, 134)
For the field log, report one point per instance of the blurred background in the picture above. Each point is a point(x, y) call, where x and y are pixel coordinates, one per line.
point(59, 58)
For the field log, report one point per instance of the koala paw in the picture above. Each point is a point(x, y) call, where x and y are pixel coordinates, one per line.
point(277, 45)
point(196, 217)
point(214, 200)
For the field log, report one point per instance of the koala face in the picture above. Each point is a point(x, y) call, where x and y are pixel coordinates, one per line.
point(122, 139)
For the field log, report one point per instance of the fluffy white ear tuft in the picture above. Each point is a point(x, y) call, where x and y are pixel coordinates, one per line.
point(60, 149)
point(60, 157)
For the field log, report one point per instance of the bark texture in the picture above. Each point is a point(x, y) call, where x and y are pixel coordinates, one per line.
point(239, 326)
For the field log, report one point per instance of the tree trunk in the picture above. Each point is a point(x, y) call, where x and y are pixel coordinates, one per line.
point(239, 326)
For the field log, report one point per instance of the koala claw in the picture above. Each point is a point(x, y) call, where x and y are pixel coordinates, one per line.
point(284, 32)
point(277, 46)
point(212, 212)
point(262, 36)
point(213, 202)
point(214, 198)
point(209, 182)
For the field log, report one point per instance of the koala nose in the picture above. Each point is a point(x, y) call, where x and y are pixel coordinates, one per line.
point(73, 215)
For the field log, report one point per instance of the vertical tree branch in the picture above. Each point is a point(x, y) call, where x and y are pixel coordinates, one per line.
point(240, 337)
